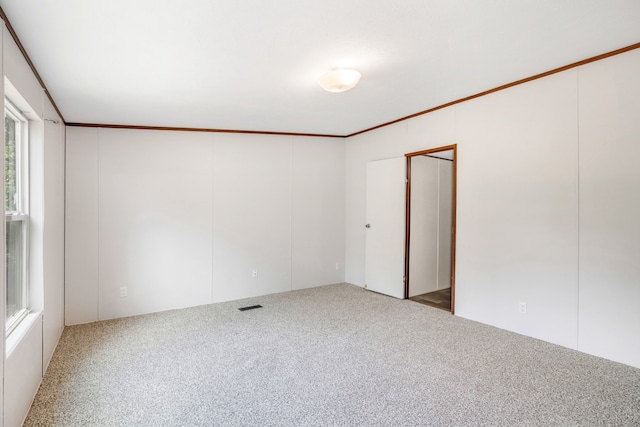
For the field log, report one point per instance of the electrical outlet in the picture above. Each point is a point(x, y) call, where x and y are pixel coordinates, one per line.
point(124, 292)
point(254, 273)
point(337, 266)
point(522, 308)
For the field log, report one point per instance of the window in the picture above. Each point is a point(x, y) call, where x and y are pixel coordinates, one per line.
point(16, 215)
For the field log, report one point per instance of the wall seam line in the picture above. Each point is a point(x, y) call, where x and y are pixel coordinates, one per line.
point(213, 207)
point(291, 165)
point(98, 222)
point(578, 202)
point(438, 228)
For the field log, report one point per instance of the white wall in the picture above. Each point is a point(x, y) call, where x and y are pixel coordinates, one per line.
point(517, 233)
point(445, 222)
point(23, 373)
point(423, 246)
point(183, 218)
point(518, 204)
point(30, 347)
point(81, 226)
point(252, 215)
point(609, 320)
point(154, 227)
point(317, 212)
point(53, 233)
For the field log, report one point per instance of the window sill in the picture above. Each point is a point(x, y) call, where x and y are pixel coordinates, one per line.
point(21, 331)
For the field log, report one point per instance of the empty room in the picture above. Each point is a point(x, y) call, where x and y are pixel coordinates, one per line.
point(298, 213)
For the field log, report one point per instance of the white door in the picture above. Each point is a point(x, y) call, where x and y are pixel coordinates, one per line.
point(386, 188)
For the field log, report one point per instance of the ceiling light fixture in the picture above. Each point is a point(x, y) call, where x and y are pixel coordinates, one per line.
point(339, 80)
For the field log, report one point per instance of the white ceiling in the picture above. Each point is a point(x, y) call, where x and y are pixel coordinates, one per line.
point(253, 64)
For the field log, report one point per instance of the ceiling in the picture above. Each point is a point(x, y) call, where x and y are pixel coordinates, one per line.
point(253, 64)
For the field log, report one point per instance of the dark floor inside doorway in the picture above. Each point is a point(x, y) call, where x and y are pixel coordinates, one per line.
point(439, 299)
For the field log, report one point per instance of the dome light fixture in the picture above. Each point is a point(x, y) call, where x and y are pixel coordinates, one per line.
point(339, 80)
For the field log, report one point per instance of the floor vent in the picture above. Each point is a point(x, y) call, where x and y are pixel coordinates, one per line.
point(251, 307)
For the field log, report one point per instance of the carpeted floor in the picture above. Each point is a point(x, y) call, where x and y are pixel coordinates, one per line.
point(334, 355)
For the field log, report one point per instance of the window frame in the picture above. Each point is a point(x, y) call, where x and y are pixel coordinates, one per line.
point(21, 214)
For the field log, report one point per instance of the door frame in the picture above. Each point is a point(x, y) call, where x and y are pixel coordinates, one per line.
point(407, 240)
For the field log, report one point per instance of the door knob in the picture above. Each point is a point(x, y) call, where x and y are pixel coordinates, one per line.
point(367, 226)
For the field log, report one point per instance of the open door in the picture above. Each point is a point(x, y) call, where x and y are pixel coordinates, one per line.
point(385, 227)
point(431, 227)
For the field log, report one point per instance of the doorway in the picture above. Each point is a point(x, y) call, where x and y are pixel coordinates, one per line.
point(430, 214)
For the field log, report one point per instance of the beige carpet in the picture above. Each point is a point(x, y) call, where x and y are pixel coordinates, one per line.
point(334, 355)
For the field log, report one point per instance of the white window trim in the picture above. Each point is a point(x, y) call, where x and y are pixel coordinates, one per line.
point(22, 212)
